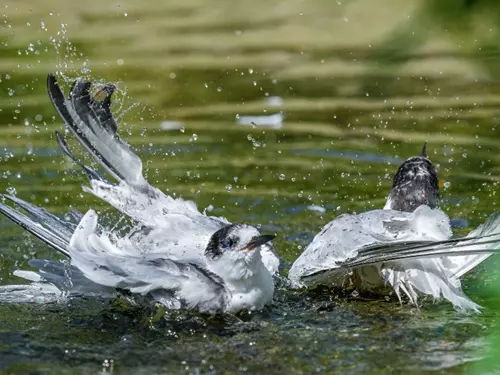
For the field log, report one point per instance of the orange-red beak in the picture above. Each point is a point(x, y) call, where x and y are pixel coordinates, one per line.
point(259, 241)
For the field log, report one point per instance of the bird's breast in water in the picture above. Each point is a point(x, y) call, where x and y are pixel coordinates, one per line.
point(254, 299)
point(252, 293)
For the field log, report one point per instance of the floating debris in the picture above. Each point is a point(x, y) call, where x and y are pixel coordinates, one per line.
point(171, 125)
point(315, 208)
point(274, 121)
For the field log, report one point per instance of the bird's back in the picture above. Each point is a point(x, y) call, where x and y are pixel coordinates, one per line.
point(342, 238)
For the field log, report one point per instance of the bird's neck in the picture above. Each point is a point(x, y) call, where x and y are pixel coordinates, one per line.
point(247, 268)
point(409, 198)
point(415, 184)
point(240, 272)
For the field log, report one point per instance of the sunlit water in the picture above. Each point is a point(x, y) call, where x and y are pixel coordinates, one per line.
point(334, 152)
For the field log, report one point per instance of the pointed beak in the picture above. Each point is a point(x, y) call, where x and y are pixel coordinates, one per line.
point(259, 241)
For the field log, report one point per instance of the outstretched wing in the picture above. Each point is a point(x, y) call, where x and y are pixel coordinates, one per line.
point(174, 223)
point(91, 122)
point(412, 252)
point(97, 257)
point(348, 238)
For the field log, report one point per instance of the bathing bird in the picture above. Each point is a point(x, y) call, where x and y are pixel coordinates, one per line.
point(406, 248)
point(174, 255)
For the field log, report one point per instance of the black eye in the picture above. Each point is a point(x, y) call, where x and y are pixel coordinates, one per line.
point(227, 243)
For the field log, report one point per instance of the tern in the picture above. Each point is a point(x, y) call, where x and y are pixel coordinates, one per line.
point(175, 255)
point(406, 248)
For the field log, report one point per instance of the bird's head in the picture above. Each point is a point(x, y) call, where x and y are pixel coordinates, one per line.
point(415, 184)
point(237, 241)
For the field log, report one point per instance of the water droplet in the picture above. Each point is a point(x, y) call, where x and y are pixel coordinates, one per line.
point(229, 187)
point(282, 177)
point(11, 92)
point(11, 190)
point(219, 89)
point(85, 68)
point(447, 184)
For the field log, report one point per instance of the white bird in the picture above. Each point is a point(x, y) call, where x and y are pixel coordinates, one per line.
point(405, 248)
point(174, 255)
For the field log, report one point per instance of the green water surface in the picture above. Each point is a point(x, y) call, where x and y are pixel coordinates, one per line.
point(349, 120)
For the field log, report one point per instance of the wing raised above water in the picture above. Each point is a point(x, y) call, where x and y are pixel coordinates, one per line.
point(92, 124)
point(342, 239)
point(175, 225)
point(412, 252)
point(101, 261)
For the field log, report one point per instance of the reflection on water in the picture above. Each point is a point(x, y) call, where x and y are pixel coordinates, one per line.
point(190, 74)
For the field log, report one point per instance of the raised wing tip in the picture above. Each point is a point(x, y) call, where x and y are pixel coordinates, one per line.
point(52, 84)
point(103, 94)
point(60, 137)
point(51, 79)
point(55, 93)
point(80, 89)
point(61, 141)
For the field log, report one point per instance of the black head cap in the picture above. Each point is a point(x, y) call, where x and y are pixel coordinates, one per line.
point(235, 237)
point(221, 240)
point(415, 184)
